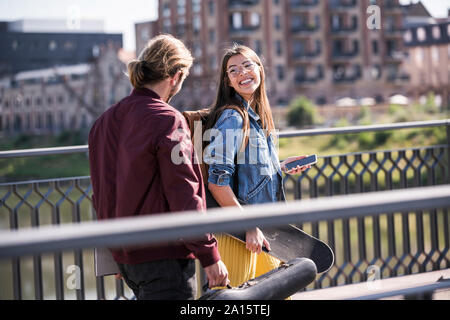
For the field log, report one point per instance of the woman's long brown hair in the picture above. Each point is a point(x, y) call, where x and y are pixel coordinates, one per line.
point(226, 95)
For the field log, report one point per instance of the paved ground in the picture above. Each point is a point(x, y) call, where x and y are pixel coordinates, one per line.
point(380, 287)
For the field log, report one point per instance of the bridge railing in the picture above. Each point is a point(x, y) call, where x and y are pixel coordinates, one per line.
point(156, 228)
point(399, 243)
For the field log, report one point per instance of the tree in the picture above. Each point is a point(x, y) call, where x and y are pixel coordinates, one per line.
point(302, 112)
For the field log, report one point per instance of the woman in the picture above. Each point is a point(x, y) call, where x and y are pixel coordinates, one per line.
point(244, 167)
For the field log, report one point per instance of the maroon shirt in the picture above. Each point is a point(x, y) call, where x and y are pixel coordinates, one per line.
point(132, 173)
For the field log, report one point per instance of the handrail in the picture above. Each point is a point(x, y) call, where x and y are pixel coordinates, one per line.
point(286, 134)
point(368, 128)
point(164, 227)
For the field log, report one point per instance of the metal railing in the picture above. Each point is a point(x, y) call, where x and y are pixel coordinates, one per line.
point(156, 228)
point(400, 243)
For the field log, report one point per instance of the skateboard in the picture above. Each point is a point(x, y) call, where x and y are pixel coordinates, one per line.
point(276, 284)
point(289, 242)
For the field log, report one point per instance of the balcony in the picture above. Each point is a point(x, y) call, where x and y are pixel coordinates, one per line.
point(306, 28)
point(244, 30)
point(342, 4)
point(394, 31)
point(398, 78)
point(338, 27)
point(303, 78)
point(392, 6)
point(343, 75)
point(306, 56)
point(242, 3)
point(395, 56)
point(339, 55)
point(303, 4)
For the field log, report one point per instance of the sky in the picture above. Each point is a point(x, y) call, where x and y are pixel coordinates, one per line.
point(120, 16)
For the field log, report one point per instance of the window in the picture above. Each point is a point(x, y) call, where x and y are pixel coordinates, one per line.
point(421, 34)
point(145, 34)
point(166, 10)
point(419, 57)
point(198, 69)
point(211, 7)
point(69, 45)
point(39, 121)
point(277, 23)
point(49, 121)
point(197, 23)
point(436, 32)
point(17, 123)
point(300, 73)
point(28, 122)
point(297, 22)
point(212, 36)
point(196, 5)
point(254, 19)
point(258, 47)
point(435, 55)
point(407, 36)
point(320, 73)
point(335, 22)
point(52, 46)
point(299, 48)
point(197, 49)
point(318, 46)
point(213, 62)
point(181, 7)
point(280, 72)
point(278, 47)
point(236, 20)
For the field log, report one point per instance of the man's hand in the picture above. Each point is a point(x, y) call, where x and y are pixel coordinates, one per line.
point(217, 275)
point(254, 240)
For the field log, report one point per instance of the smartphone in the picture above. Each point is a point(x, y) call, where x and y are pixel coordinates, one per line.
point(302, 162)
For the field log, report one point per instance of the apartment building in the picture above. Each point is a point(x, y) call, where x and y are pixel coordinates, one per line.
point(70, 97)
point(429, 61)
point(319, 48)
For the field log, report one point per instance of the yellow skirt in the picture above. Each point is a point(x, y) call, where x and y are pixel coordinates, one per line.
point(242, 264)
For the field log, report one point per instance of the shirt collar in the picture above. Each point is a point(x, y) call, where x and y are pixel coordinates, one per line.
point(249, 109)
point(145, 92)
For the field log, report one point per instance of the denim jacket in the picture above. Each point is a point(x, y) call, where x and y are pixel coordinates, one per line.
point(254, 174)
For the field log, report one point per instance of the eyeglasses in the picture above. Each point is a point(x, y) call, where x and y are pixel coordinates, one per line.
point(234, 71)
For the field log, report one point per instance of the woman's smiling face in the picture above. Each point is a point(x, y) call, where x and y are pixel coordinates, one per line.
point(243, 75)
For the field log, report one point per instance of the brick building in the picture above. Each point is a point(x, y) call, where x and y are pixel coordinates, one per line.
point(319, 48)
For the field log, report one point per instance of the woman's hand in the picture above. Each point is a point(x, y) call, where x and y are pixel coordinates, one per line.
point(254, 241)
point(295, 170)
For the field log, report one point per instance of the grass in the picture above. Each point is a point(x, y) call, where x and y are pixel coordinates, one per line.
point(44, 167)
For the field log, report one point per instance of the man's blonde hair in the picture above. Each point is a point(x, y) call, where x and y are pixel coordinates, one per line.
point(162, 58)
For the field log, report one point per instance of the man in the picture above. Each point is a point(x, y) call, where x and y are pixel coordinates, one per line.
point(132, 173)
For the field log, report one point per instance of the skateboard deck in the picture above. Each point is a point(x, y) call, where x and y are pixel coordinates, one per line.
point(289, 242)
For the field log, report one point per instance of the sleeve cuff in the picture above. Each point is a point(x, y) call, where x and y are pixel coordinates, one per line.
point(218, 176)
point(209, 259)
